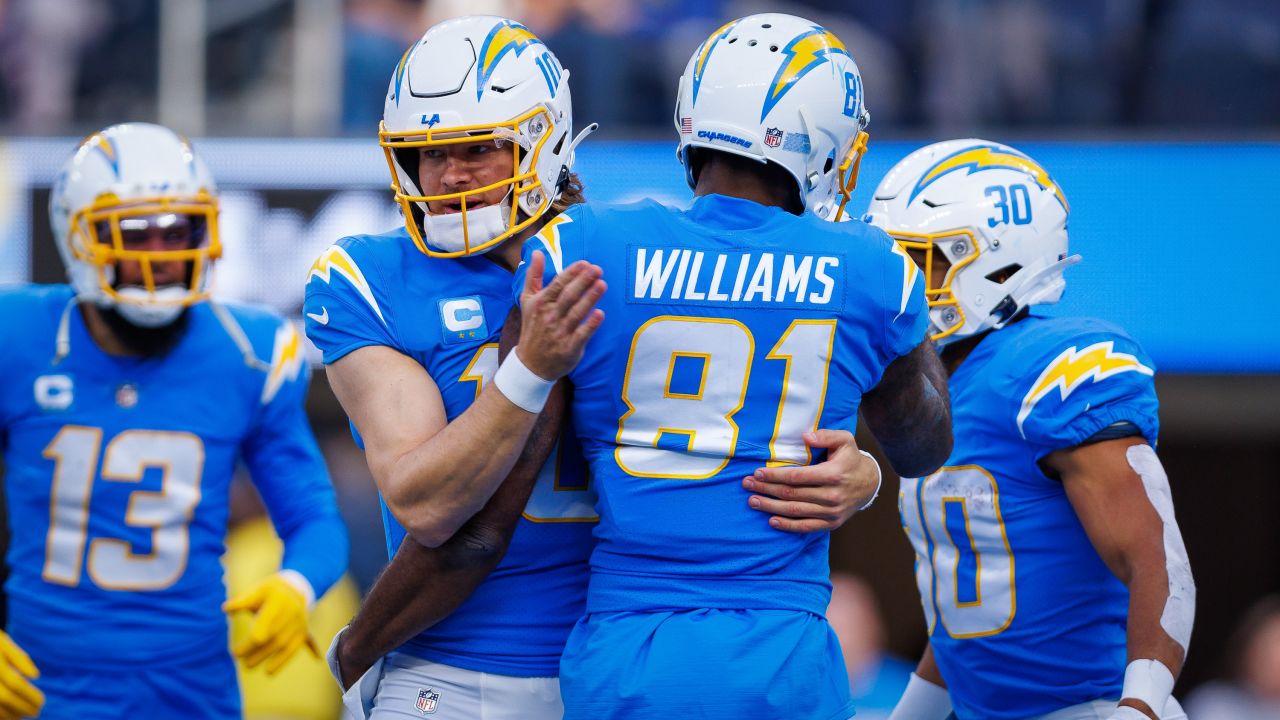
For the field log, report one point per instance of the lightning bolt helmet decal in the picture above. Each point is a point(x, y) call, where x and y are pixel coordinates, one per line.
point(804, 53)
point(985, 157)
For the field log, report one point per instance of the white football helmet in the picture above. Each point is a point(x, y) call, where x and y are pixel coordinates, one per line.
point(138, 175)
point(996, 217)
point(473, 79)
point(778, 88)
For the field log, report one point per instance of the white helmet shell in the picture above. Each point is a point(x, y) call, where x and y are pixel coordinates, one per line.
point(132, 170)
point(471, 79)
point(777, 88)
point(994, 214)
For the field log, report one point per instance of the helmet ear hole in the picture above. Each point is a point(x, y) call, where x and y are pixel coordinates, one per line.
point(1002, 275)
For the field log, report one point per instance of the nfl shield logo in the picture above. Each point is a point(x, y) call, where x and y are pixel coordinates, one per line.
point(773, 137)
point(427, 701)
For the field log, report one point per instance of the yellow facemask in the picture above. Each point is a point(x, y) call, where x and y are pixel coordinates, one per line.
point(88, 243)
point(940, 294)
point(539, 125)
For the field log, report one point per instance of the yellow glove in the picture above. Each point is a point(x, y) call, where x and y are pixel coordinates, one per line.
point(280, 628)
point(18, 697)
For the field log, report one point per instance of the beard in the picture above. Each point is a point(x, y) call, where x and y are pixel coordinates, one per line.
point(144, 341)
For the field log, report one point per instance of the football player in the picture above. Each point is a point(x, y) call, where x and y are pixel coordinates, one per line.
point(477, 131)
point(128, 399)
point(478, 134)
point(735, 328)
point(1052, 572)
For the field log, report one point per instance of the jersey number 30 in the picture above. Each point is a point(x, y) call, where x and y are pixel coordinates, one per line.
point(112, 563)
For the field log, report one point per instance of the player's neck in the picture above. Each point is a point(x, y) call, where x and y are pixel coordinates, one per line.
point(956, 352)
point(507, 254)
point(718, 178)
point(116, 336)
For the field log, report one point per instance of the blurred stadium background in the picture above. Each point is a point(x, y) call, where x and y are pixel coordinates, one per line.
point(1160, 118)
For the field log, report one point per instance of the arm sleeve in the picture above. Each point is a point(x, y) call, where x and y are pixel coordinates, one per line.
point(341, 311)
point(1086, 385)
point(290, 473)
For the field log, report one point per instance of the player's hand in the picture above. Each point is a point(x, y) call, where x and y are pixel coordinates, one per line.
point(350, 667)
point(18, 697)
point(556, 321)
point(280, 627)
point(807, 498)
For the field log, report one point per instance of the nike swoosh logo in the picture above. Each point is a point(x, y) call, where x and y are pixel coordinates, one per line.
point(322, 317)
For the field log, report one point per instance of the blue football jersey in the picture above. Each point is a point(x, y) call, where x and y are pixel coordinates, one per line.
point(447, 314)
point(730, 329)
point(1023, 615)
point(118, 470)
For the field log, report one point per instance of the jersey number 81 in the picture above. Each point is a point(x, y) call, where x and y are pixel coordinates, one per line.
point(719, 351)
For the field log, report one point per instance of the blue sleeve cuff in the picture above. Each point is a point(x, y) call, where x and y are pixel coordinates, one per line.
point(317, 550)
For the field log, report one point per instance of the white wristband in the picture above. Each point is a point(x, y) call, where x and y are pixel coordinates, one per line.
point(879, 481)
point(521, 385)
point(1149, 681)
point(922, 700)
point(299, 582)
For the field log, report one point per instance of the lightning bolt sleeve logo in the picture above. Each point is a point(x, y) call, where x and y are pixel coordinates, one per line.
point(1073, 368)
point(550, 236)
point(909, 274)
point(286, 361)
point(336, 260)
point(805, 52)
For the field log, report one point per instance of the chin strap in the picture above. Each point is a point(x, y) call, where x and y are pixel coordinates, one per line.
point(62, 343)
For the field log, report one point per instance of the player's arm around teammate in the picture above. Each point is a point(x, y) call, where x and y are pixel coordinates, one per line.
point(817, 497)
point(909, 412)
point(1121, 494)
point(432, 472)
point(798, 499)
point(399, 605)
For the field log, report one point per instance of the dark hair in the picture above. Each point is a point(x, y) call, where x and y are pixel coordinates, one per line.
point(571, 194)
